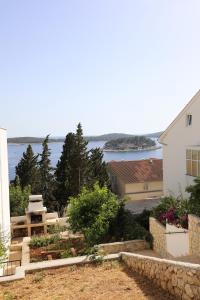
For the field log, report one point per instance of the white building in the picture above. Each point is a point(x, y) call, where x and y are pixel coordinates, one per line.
point(4, 185)
point(181, 149)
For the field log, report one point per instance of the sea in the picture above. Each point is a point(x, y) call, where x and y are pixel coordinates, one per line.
point(15, 152)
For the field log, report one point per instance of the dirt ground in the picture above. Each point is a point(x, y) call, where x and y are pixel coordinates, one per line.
point(109, 281)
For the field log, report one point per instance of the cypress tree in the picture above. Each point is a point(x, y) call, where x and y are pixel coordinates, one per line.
point(79, 162)
point(46, 176)
point(27, 170)
point(97, 169)
point(64, 173)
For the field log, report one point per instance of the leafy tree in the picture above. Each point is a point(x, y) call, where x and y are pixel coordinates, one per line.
point(18, 198)
point(63, 173)
point(46, 175)
point(97, 169)
point(27, 170)
point(92, 212)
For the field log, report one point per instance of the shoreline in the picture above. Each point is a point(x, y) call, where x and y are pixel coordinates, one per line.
point(133, 150)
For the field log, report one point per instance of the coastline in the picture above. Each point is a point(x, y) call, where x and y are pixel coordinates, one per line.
point(133, 150)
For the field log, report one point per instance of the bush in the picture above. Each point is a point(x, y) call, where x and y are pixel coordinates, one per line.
point(194, 199)
point(52, 229)
point(43, 241)
point(18, 199)
point(173, 211)
point(3, 248)
point(101, 217)
point(143, 218)
point(125, 227)
point(92, 213)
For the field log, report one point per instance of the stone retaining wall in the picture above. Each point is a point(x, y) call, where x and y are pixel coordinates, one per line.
point(159, 237)
point(194, 235)
point(128, 246)
point(181, 280)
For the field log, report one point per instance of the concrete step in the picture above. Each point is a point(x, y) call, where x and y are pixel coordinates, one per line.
point(9, 270)
point(15, 247)
point(15, 255)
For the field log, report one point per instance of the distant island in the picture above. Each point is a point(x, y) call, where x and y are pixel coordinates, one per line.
point(134, 143)
point(103, 137)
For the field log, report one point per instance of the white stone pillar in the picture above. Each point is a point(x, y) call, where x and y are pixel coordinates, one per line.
point(4, 185)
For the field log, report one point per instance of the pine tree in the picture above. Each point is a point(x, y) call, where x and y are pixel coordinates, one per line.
point(27, 170)
point(46, 176)
point(64, 173)
point(97, 169)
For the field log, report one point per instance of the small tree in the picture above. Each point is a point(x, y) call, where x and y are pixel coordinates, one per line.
point(18, 198)
point(97, 169)
point(92, 213)
point(27, 170)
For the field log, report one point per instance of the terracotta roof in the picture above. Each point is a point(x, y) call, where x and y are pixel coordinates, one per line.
point(137, 170)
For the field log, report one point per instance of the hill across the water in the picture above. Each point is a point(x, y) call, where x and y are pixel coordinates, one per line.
point(103, 137)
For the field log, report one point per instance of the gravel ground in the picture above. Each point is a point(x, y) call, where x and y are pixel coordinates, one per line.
point(110, 281)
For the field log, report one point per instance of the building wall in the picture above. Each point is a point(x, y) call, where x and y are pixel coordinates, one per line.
point(136, 191)
point(4, 185)
point(179, 138)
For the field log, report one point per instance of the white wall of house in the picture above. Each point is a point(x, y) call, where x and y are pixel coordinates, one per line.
point(4, 185)
point(177, 241)
point(176, 139)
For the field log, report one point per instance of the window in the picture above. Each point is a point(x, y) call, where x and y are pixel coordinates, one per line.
point(193, 162)
point(188, 120)
point(146, 186)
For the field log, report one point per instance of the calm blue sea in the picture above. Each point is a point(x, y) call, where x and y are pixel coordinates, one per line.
point(15, 152)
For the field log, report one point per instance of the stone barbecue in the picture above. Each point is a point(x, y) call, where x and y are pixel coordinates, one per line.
point(36, 219)
point(36, 212)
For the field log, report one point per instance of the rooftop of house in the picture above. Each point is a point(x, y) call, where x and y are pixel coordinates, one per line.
point(136, 171)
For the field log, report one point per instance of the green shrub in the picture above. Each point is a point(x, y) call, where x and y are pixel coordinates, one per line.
point(52, 229)
point(143, 218)
point(95, 254)
point(66, 254)
point(125, 227)
point(194, 199)
point(92, 212)
point(18, 199)
point(173, 210)
point(3, 247)
point(43, 241)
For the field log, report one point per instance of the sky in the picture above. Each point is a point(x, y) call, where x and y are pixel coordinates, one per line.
point(113, 65)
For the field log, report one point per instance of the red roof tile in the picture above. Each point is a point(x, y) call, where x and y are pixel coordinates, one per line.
point(138, 170)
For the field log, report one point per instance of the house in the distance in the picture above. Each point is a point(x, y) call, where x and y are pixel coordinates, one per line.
point(4, 185)
point(137, 180)
point(181, 149)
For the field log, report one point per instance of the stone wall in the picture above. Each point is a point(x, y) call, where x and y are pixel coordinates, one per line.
point(194, 235)
point(128, 246)
point(182, 280)
point(159, 237)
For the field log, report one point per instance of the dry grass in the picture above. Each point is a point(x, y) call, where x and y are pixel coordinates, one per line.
point(109, 281)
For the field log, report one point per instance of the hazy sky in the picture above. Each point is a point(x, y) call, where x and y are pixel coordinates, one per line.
point(114, 65)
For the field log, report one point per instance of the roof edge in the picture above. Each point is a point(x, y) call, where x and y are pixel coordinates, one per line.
point(163, 135)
